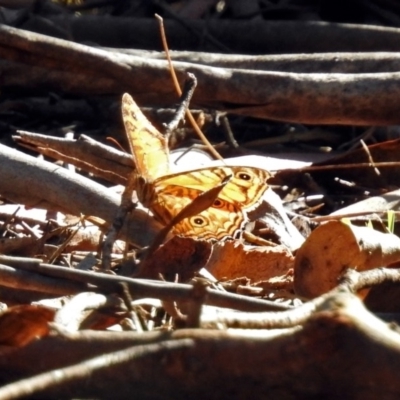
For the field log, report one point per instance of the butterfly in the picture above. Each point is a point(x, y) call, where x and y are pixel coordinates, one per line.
point(166, 193)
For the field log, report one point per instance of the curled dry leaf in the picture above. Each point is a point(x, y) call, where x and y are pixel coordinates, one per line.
point(89, 310)
point(21, 324)
point(233, 259)
point(182, 256)
point(335, 246)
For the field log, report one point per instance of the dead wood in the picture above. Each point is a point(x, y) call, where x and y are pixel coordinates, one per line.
point(24, 286)
point(241, 37)
point(85, 153)
point(352, 281)
point(357, 62)
point(38, 183)
point(331, 347)
point(358, 99)
point(17, 279)
point(83, 371)
point(342, 339)
point(141, 288)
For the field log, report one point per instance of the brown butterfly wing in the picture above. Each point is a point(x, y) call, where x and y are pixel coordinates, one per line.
point(149, 147)
point(222, 220)
point(245, 188)
point(226, 221)
point(242, 193)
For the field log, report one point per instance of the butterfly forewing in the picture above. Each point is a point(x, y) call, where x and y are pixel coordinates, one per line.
point(149, 147)
point(245, 188)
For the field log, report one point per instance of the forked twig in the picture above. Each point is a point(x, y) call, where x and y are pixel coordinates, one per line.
point(179, 91)
point(188, 90)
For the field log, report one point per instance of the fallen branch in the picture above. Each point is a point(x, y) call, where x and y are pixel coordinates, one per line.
point(341, 339)
point(140, 288)
point(38, 183)
point(85, 153)
point(357, 99)
point(241, 37)
point(352, 282)
point(17, 279)
point(79, 374)
point(353, 63)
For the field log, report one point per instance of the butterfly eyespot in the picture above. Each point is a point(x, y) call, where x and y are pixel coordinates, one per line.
point(199, 221)
point(244, 176)
point(218, 203)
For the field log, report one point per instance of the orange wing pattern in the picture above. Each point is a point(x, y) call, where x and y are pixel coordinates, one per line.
point(148, 146)
point(166, 194)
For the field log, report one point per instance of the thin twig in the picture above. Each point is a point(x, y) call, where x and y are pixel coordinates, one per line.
point(149, 288)
point(230, 137)
point(125, 207)
point(188, 90)
point(384, 164)
point(195, 306)
point(356, 281)
point(370, 159)
point(179, 91)
point(350, 215)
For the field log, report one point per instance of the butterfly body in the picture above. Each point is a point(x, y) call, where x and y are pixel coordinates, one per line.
point(166, 193)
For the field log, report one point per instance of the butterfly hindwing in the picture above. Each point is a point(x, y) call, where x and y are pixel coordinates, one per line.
point(242, 193)
point(213, 223)
point(221, 220)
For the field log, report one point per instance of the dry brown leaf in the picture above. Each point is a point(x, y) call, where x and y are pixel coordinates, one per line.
point(182, 256)
point(102, 319)
point(335, 246)
point(232, 259)
point(89, 310)
point(23, 246)
point(21, 324)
